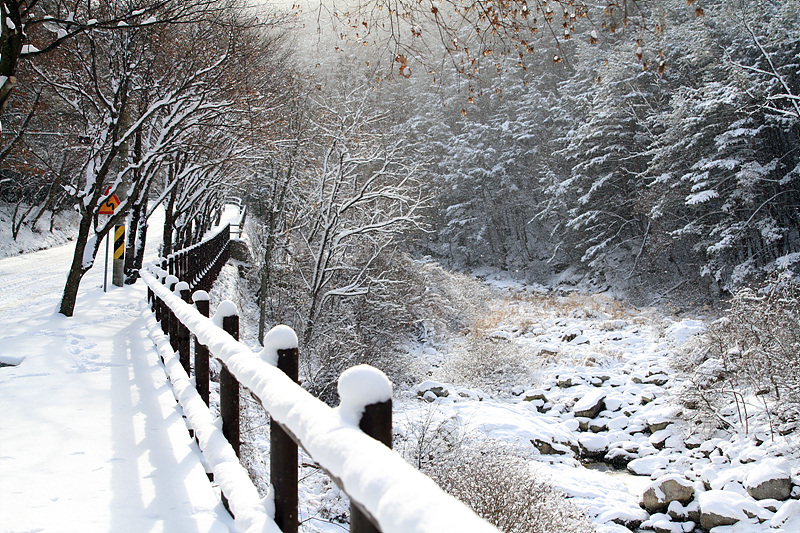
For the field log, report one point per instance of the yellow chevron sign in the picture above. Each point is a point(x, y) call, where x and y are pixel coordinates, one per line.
point(119, 242)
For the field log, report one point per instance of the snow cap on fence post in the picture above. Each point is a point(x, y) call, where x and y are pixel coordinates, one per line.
point(171, 280)
point(225, 308)
point(179, 287)
point(360, 386)
point(278, 338)
point(200, 296)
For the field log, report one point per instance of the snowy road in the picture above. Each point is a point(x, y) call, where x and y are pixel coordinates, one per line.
point(90, 435)
point(31, 282)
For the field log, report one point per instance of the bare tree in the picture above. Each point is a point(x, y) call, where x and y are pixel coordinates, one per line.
point(32, 28)
point(135, 108)
point(362, 198)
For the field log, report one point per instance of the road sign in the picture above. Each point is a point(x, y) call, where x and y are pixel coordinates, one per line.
point(108, 207)
point(118, 271)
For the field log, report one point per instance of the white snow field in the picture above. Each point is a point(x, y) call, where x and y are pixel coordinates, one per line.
point(90, 435)
point(601, 420)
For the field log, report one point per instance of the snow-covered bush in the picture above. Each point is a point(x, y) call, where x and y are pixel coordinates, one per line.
point(490, 476)
point(428, 439)
point(444, 302)
point(490, 364)
point(423, 303)
point(496, 482)
point(749, 358)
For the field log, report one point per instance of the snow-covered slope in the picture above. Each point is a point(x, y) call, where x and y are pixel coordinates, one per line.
point(90, 436)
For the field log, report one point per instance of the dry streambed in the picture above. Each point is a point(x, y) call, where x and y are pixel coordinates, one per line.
point(601, 390)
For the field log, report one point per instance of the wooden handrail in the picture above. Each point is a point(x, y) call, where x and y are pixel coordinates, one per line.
point(346, 453)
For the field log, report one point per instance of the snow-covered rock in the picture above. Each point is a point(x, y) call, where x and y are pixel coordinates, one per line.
point(436, 390)
point(593, 446)
point(657, 379)
point(646, 466)
point(769, 479)
point(725, 508)
point(579, 340)
point(535, 394)
point(598, 425)
point(617, 423)
point(787, 517)
point(665, 490)
point(631, 518)
point(566, 382)
point(571, 332)
point(681, 331)
point(501, 335)
point(659, 419)
point(682, 513)
point(620, 456)
point(662, 523)
point(547, 447)
point(590, 405)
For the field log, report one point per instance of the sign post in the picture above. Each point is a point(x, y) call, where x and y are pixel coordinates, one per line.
point(118, 273)
point(105, 266)
point(107, 208)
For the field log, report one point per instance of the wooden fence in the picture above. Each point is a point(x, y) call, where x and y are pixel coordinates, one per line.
point(386, 493)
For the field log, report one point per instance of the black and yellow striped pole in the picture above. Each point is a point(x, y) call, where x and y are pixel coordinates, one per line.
point(118, 276)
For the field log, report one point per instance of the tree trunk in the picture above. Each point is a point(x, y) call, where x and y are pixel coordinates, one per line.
point(10, 50)
point(130, 246)
point(264, 288)
point(169, 222)
point(141, 241)
point(138, 212)
point(78, 269)
point(275, 210)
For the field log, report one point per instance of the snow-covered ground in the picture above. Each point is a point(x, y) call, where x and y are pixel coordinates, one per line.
point(40, 238)
point(90, 436)
point(601, 421)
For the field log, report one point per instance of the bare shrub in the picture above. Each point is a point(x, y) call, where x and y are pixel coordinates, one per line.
point(490, 364)
point(492, 477)
point(422, 302)
point(496, 482)
point(428, 439)
point(749, 358)
point(443, 302)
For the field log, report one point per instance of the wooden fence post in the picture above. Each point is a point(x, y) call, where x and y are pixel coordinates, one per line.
point(182, 288)
point(192, 267)
point(169, 317)
point(229, 392)
point(156, 300)
point(202, 271)
point(283, 457)
point(201, 301)
point(376, 421)
point(166, 312)
point(150, 294)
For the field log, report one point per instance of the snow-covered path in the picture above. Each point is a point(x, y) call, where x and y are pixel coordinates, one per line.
point(90, 435)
